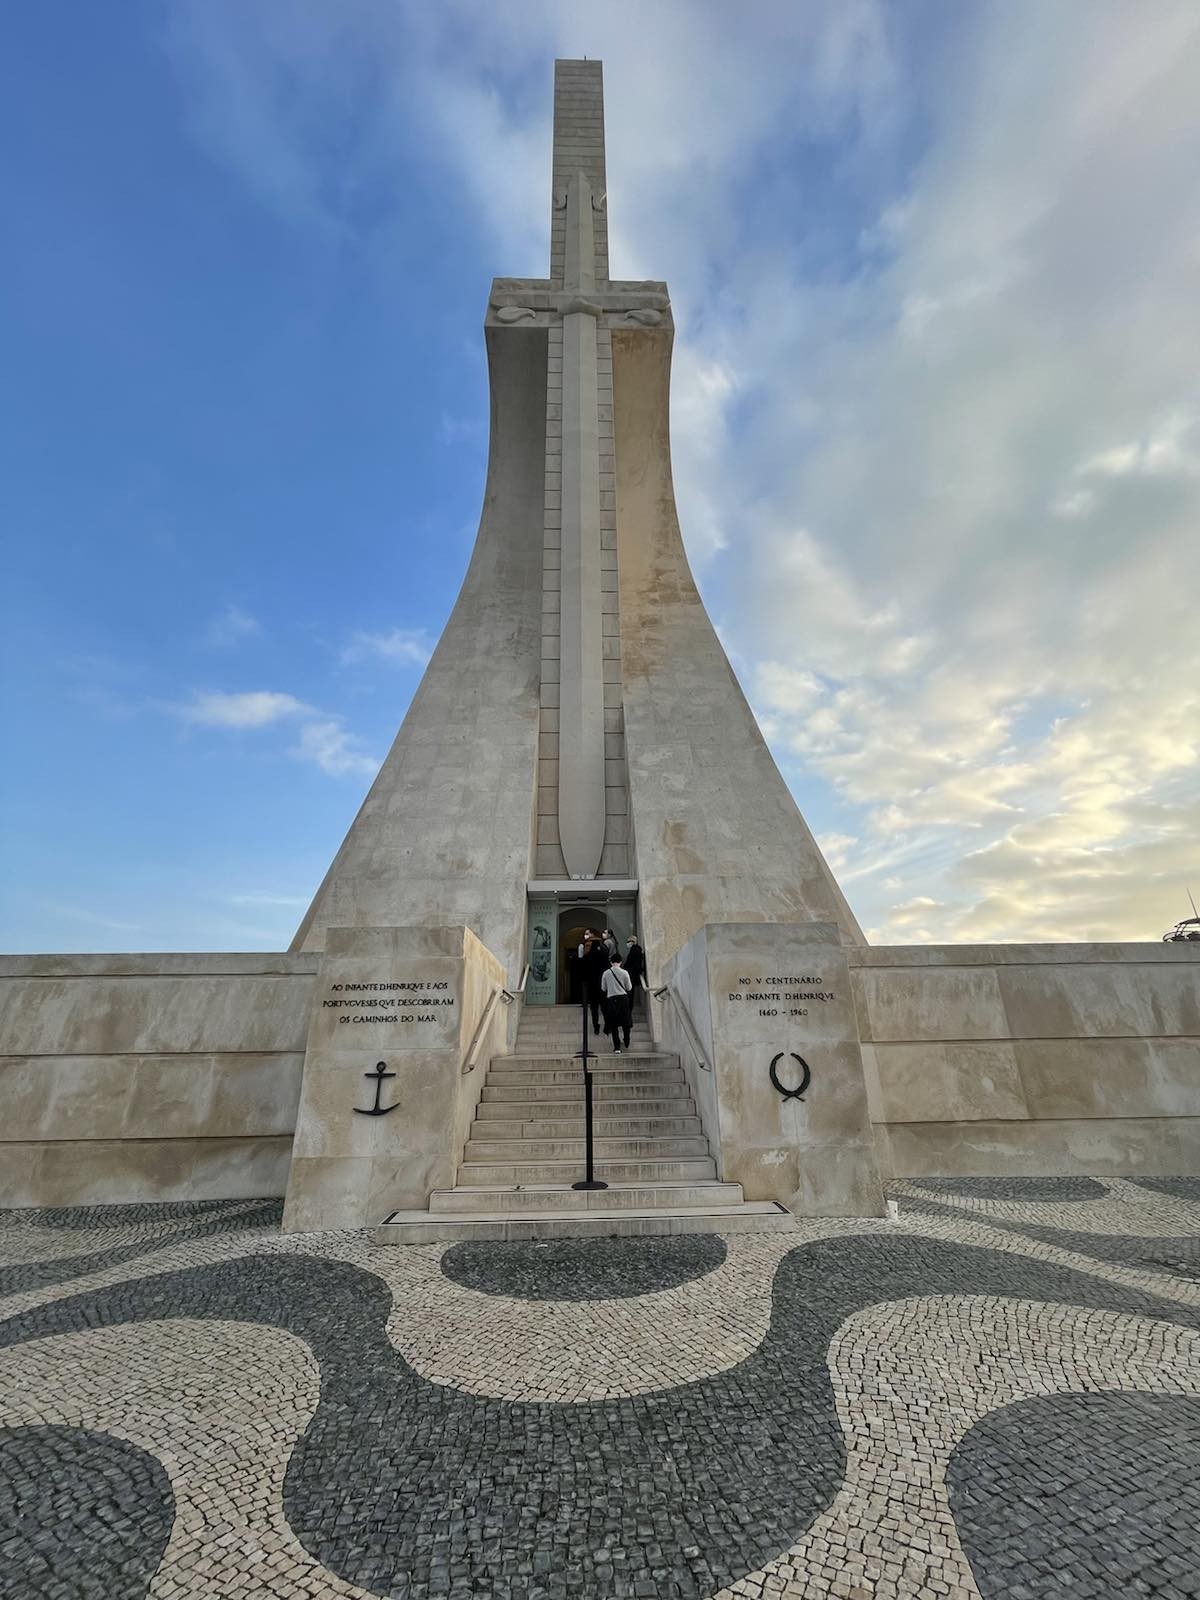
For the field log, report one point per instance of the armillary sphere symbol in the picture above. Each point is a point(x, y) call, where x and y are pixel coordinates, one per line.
point(806, 1079)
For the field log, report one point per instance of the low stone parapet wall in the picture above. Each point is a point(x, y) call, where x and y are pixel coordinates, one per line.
point(415, 999)
point(985, 1060)
point(149, 1077)
point(177, 1077)
point(781, 1093)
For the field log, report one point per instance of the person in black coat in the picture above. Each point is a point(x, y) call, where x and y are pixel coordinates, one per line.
point(593, 964)
point(635, 966)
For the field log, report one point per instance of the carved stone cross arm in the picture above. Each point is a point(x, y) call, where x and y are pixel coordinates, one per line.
point(537, 302)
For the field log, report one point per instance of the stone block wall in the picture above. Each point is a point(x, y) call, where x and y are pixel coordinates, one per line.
point(348, 1170)
point(1031, 1059)
point(177, 1077)
point(756, 992)
point(149, 1077)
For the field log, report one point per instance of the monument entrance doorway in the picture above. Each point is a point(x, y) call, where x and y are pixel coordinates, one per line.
point(559, 913)
point(572, 925)
point(573, 922)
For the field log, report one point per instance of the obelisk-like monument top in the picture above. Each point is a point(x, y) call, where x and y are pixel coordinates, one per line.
point(578, 147)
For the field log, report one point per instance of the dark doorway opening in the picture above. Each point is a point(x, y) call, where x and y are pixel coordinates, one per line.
point(571, 926)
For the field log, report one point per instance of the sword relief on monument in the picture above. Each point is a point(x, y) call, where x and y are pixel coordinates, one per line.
point(583, 828)
point(581, 812)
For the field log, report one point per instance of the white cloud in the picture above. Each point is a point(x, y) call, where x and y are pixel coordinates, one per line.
point(91, 918)
point(406, 646)
point(267, 898)
point(836, 848)
point(255, 708)
point(935, 396)
point(1169, 448)
point(334, 750)
point(231, 627)
point(1011, 485)
point(323, 740)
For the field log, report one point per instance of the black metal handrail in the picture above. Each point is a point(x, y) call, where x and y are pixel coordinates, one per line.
point(590, 1181)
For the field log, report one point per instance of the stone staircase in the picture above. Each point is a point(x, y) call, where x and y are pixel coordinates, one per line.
point(526, 1149)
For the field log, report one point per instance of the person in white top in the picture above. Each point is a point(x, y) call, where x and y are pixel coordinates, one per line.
point(616, 986)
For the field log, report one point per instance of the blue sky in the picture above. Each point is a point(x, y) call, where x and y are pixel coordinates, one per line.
point(936, 427)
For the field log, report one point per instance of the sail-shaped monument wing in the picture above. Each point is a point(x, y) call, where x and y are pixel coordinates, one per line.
point(579, 722)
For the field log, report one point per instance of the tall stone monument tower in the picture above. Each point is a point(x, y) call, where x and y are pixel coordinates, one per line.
point(579, 723)
point(578, 753)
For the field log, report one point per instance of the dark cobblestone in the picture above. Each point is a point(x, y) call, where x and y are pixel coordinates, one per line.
point(584, 1269)
point(81, 1515)
point(663, 1420)
point(1177, 1188)
point(1013, 1188)
point(1087, 1495)
point(157, 1213)
point(396, 1480)
point(1178, 1254)
point(205, 1221)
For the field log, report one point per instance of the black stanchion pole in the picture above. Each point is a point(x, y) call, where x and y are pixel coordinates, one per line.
point(589, 1181)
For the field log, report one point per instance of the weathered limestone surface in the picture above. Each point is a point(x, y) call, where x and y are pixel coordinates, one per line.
point(751, 991)
point(87, 1172)
point(718, 836)
point(1032, 1059)
point(446, 831)
point(348, 1169)
point(148, 1077)
point(578, 715)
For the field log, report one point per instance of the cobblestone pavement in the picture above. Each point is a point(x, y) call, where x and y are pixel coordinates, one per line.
point(997, 1395)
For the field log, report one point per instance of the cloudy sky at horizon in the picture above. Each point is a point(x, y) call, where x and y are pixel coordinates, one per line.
point(936, 426)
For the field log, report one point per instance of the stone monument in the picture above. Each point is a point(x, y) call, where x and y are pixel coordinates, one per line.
point(580, 734)
point(579, 754)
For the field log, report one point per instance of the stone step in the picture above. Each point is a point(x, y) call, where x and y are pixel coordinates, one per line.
point(602, 1077)
point(570, 1108)
point(535, 1049)
point(687, 1169)
point(519, 1062)
point(551, 1013)
point(489, 1199)
point(570, 1104)
point(571, 1126)
point(568, 1028)
point(572, 1149)
point(571, 1028)
point(428, 1227)
point(623, 1093)
point(573, 1036)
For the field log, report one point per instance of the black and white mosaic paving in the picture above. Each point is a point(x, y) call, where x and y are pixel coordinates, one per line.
point(1163, 1251)
point(80, 1514)
point(1081, 1494)
point(852, 1409)
point(559, 1270)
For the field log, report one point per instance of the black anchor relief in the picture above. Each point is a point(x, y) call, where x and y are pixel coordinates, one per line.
point(377, 1077)
point(398, 1482)
point(805, 1079)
